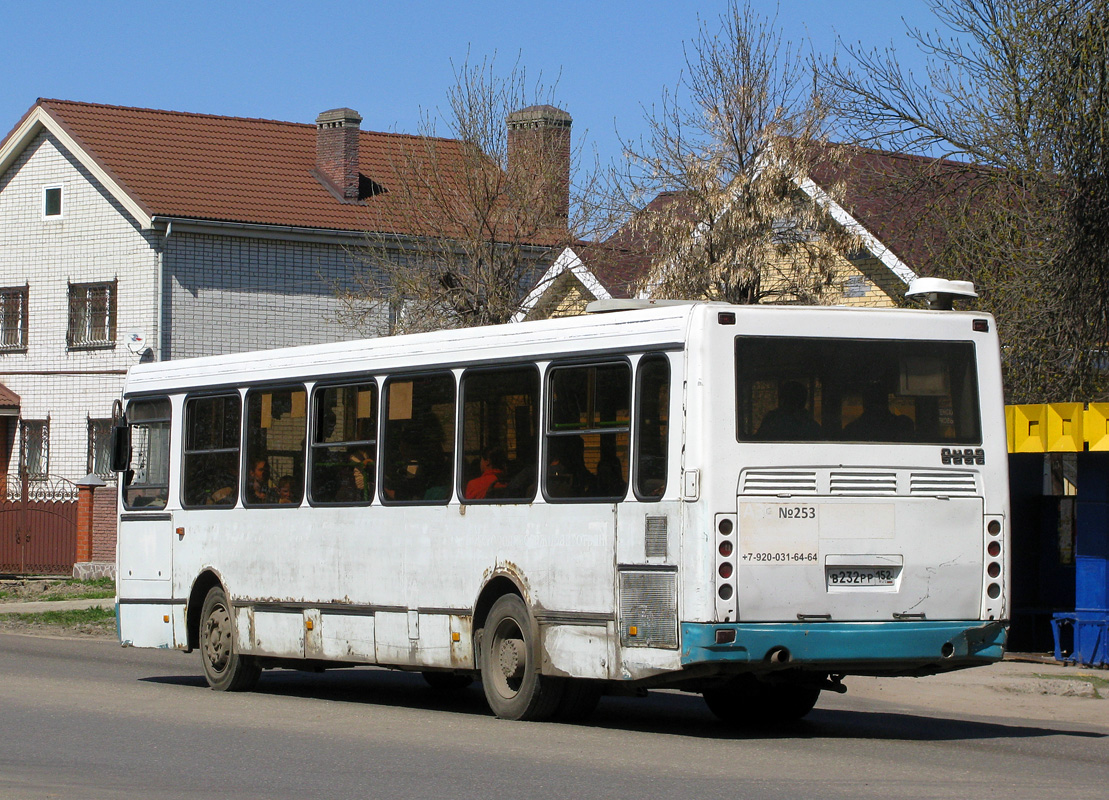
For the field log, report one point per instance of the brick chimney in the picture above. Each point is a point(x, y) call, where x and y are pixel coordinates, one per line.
point(539, 153)
point(337, 149)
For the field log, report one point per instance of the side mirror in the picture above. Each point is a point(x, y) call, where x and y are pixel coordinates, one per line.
point(121, 447)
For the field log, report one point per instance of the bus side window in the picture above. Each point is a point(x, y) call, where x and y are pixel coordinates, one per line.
point(500, 435)
point(588, 432)
point(344, 444)
point(652, 426)
point(146, 480)
point(418, 439)
point(276, 421)
point(211, 468)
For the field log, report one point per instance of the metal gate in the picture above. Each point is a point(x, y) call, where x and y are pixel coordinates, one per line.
point(38, 526)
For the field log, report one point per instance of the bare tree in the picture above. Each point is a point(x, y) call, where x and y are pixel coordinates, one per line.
point(725, 154)
point(1017, 88)
point(476, 215)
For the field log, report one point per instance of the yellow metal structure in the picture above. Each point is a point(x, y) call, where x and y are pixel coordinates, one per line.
point(1057, 427)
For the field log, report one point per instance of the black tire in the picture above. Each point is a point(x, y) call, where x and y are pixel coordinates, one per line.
point(510, 675)
point(447, 681)
point(579, 700)
point(225, 669)
point(745, 701)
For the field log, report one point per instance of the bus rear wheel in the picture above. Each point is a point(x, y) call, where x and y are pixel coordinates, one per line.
point(225, 669)
point(746, 701)
point(510, 675)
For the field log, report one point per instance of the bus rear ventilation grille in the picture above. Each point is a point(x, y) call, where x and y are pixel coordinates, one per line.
point(868, 483)
point(778, 482)
point(654, 537)
point(943, 483)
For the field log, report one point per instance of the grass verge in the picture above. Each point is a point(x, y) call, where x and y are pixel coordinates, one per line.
point(100, 622)
point(96, 589)
point(1100, 684)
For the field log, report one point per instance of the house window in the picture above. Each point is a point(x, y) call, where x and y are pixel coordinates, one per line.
point(13, 318)
point(52, 201)
point(100, 447)
point(92, 315)
point(34, 452)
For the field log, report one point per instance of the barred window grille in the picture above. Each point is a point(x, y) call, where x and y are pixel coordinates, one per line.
point(100, 447)
point(92, 314)
point(34, 452)
point(13, 318)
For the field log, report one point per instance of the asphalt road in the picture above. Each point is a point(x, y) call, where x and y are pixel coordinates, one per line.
point(88, 719)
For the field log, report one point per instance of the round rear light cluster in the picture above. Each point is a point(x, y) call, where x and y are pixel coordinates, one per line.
point(725, 569)
point(994, 561)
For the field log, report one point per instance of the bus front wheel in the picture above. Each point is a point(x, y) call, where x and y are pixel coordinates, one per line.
point(747, 701)
point(225, 669)
point(510, 676)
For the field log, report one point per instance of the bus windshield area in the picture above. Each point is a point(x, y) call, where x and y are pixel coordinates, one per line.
point(856, 390)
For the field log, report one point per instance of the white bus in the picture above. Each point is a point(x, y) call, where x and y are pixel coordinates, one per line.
point(749, 502)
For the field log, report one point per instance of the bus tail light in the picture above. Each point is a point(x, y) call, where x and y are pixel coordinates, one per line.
point(994, 570)
point(724, 578)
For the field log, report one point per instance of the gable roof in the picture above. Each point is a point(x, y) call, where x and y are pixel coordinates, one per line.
point(568, 264)
point(231, 169)
point(893, 202)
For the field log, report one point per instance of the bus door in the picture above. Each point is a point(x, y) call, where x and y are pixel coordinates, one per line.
point(146, 529)
point(648, 524)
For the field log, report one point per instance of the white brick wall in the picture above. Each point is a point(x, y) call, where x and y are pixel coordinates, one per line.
point(93, 241)
point(222, 294)
point(230, 294)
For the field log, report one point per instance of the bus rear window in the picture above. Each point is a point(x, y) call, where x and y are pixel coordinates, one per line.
point(856, 390)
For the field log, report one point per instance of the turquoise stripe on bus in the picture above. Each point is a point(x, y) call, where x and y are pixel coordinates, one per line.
point(847, 642)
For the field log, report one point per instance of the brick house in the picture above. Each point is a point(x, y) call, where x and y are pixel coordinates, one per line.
point(894, 202)
point(129, 233)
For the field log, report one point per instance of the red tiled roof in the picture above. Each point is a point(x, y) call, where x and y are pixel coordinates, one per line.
point(624, 258)
point(233, 169)
point(8, 398)
point(901, 199)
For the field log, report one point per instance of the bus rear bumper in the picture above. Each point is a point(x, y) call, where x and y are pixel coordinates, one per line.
point(910, 647)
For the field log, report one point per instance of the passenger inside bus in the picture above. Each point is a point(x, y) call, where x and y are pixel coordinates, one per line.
point(611, 480)
point(285, 490)
point(877, 422)
point(421, 470)
point(491, 479)
point(567, 475)
point(791, 420)
point(258, 482)
point(363, 474)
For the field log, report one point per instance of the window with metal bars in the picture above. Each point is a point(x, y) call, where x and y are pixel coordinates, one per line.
point(100, 447)
point(92, 315)
point(34, 451)
point(13, 318)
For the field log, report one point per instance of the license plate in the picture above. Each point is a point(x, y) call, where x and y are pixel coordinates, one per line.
point(844, 577)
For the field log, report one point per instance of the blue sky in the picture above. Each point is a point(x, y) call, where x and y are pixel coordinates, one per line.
point(290, 60)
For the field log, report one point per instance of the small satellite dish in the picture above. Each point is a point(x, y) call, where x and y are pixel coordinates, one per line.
point(136, 341)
